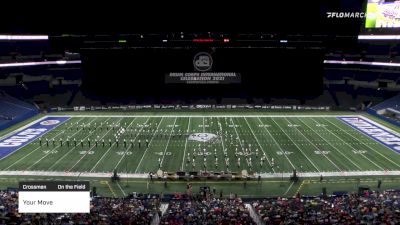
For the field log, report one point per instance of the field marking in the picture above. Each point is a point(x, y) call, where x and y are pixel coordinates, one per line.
point(147, 148)
point(277, 144)
point(379, 125)
point(39, 147)
point(204, 131)
point(300, 187)
point(24, 144)
point(312, 163)
point(221, 137)
point(137, 135)
point(363, 143)
point(88, 151)
point(251, 129)
point(291, 185)
point(47, 154)
point(186, 141)
point(348, 158)
point(120, 188)
point(237, 134)
point(102, 157)
point(166, 146)
point(109, 187)
point(204, 128)
point(337, 167)
point(62, 157)
point(382, 127)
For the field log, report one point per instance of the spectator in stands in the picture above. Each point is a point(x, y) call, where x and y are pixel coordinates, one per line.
point(371, 208)
point(207, 212)
point(103, 211)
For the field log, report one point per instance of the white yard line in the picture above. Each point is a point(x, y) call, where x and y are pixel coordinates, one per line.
point(312, 163)
point(62, 157)
point(166, 146)
point(346, 157)
point(251, 129)
point(237, 134)
point(186, 141)
point(204, 128)
point(222, 138)
point(31, 152)
point(147, 148)
point(89, 150)
point(102, 157)
point(123, 156)
point(120, 188)
point(337, 167)
point(277, 144)
point(363, 143)
point(289, 188)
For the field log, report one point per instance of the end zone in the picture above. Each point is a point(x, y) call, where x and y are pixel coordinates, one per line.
point(26, 135)
point(377, 132)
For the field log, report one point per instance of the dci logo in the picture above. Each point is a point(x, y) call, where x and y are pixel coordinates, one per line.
point(202, 137)
point(49, 122)
point(202, 62)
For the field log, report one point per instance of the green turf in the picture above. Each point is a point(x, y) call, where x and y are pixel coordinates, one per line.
point(308, 144)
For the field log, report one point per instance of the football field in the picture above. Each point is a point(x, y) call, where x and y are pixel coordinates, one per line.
point(269, 145)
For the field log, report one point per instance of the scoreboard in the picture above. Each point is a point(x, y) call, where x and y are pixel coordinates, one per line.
point(383, 14)
point(203, 71)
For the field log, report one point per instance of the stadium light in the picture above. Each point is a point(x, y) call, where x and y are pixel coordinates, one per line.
point(378, 37)
point(23, 37)
point(362, 63)
point(58, 62)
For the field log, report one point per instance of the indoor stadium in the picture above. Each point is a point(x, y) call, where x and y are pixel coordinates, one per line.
point(283, 113)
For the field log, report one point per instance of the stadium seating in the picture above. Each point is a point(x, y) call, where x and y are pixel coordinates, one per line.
point(387, 110)
point(215, 211)
point(13, 111)
point(369, 207)
point(103, 211)
point(390, 103)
